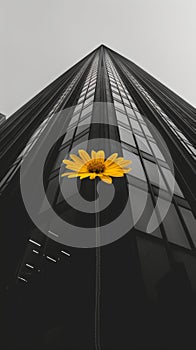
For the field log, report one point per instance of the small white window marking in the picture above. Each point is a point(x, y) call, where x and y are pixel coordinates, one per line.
point(49, 257)
point(54, 234)
point(38, 244)
point(22, 279)
point(62, 251)
point(28, 265)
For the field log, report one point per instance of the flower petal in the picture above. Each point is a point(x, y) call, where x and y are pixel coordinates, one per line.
point(76, 159)
point(113, 166)
point(74, 167)
point(127, 170)
point(67, 161)
point(93, 176)
point(111, 159)
point(84, 155)
point(66, 174)
point(106, 179)
point(100, 155)
point(93, 154)
point(123, 162)
point(83, 176)
point(73, 175)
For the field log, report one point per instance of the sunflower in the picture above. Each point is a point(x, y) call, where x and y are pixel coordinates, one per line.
point(85, 166)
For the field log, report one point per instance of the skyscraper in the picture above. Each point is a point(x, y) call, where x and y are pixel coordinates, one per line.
point(136, 288)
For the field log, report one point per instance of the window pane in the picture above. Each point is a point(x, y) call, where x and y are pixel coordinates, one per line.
point(81, 99)
point(126, 136)
point(85, 121)
point(190, 222)
point(142, 209)
point(122, 118)
point(154, 174)
point(78, 107)
point(134, 106)
point(170, 180)
point(146, 130)
point(142, 144)
point(135, 124)
point(68, 135)
point(86, 110)
point(74, 119)
point(130, 112)
point(89, 99)
point(61, 155)
point(172, 224)
point(125, 100)
point(157, 151)
point(139, 116)
point(119, 105)
point(137, 169)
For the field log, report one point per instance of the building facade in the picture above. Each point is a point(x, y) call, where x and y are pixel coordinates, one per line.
point(2, 118)
point(137, 291)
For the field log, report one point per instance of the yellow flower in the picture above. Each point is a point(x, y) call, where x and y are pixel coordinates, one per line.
point(96, 165)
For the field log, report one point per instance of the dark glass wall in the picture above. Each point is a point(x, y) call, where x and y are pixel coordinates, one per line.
point(139, 291)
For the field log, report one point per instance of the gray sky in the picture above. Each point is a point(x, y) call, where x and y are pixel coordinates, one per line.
point(41, 39)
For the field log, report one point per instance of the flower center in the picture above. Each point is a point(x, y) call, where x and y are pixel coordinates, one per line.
point(96, 166)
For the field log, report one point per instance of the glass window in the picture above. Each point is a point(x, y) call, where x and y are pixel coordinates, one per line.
point(171, 181)
point(61, 155)
point(137, 169)
point(190, 222)
point(156, 151)
point(81, 99)
point(126, 101)
point(86, 110)
point(113, 85)
point(146, 130)
point(78, 142)
point(115, 92)
point(142, 209)
point(91, 85)
point(122, 118)
point(85, 121)
point(78, 108)
point(126, 136)
point(69, 135)
point(85, 85)
point(91, 90)
point(130, 112)
point(134, 106)
point(118, 104)
point(135, 125)
point(134, 181)
point(139, 116)
point(154, 174)
point(172, 224)
point(74, 119)
point(142, 144)
point(89, 99)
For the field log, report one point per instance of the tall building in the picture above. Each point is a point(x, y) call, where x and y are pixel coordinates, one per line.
point(136, 288)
